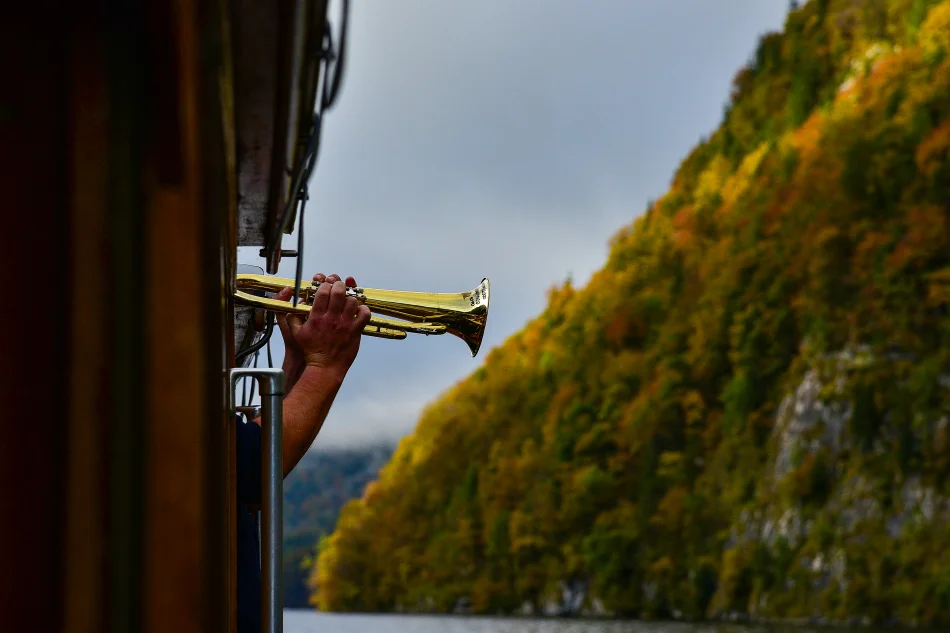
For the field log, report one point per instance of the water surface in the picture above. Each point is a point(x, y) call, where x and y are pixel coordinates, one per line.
point(304, 621)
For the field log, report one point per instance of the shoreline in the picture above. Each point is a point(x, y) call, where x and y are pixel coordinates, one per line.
point(736, 620)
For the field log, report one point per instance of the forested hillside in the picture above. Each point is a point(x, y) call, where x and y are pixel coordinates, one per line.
point(314, 493)
point(747, 410)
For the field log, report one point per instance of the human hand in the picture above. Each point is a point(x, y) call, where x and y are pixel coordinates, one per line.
point(330, 337)
point(294, 363)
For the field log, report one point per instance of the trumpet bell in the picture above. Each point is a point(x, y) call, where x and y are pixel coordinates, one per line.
point(462, 314)
point(468, 320)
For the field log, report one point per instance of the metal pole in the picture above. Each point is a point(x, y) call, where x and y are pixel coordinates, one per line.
point(271, 383)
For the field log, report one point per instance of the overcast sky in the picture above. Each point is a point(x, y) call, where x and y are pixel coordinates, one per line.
point(506, 139)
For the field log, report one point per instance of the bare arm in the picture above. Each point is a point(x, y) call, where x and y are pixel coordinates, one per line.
point(320, 351)
point(305, 410)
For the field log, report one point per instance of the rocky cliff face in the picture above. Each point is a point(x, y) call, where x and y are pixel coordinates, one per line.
point(814, 439)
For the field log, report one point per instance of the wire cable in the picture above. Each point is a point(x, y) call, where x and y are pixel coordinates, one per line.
point(326, 98)
point(268, 330)
point(253, 382)
point(341, 59)
point(270, 359)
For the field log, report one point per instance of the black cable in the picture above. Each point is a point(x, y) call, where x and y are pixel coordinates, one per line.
point(324, 102)
point(299, 184)
point(313, 146)
point(270, 359)
point(301, 176)
point(298, 275)
point(239, 358)
point(253, 382)
point(341, 58)
point(303, 195)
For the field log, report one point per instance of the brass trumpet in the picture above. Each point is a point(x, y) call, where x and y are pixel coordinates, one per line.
point(462, 314)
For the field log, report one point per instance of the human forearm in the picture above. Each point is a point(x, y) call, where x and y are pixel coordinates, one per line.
point(293, 368)
point(305, 410)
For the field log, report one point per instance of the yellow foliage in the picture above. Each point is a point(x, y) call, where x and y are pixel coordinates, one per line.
point(739, 182)
point(670, 464)
point(694, 408)
point(669, 513)
point(661, 566)
point(711, 181)
point(934, 36)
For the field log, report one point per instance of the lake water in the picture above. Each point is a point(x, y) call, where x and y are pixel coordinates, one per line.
point(303, 621)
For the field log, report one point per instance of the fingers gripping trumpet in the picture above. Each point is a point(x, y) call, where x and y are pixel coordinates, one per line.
point(462, 314)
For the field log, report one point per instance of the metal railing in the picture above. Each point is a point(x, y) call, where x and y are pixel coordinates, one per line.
point(271, 387)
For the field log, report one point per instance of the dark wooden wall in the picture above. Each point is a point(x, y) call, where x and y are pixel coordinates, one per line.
point(35, 351)
point(116, 183)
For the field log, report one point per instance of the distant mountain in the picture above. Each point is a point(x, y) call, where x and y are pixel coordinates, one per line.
point(746, 411)
point(314, 493)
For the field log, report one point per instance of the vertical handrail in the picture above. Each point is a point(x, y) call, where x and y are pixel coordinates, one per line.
point(271, 383)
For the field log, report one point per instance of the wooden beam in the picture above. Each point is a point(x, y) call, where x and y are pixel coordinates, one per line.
point(36, 348)
point(190, 266)
point(86, 518)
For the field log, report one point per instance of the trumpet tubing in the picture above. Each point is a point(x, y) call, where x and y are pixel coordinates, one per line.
point(462, 314)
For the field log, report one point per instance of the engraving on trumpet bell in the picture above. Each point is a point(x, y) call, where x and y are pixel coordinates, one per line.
point(479, 295)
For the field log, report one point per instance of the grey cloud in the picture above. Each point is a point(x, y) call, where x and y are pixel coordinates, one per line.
point(507, 139)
